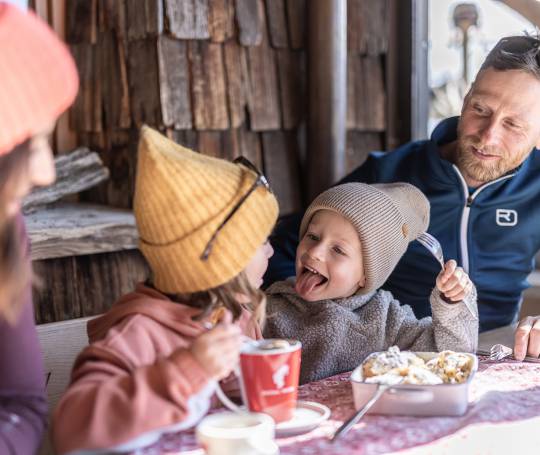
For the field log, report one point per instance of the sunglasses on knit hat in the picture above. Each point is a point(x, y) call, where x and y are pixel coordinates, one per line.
point(259, 181)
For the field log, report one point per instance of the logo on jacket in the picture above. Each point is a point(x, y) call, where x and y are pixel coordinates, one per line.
point(506, 217)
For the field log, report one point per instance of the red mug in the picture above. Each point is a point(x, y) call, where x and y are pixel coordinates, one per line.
point(269, 371)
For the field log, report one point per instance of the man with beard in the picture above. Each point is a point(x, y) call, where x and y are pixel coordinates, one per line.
point(480, 172)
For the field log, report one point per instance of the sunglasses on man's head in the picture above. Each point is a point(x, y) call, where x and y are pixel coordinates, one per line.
point(519, 45)
point(259, 181)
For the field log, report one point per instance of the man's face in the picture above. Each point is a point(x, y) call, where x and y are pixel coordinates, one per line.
point(499, 124)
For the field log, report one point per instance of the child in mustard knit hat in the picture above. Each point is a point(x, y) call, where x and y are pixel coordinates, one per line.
point(352, 237)
point(155, 356)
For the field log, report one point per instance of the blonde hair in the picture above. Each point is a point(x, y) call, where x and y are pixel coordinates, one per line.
point(234, 295)
point(15, 265)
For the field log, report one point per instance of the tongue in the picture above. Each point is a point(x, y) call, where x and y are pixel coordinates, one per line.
point(307, 281)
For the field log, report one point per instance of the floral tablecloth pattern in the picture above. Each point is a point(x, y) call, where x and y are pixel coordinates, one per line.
point(505, 391)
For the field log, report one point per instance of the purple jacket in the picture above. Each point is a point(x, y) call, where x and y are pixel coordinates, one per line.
point(23, 399)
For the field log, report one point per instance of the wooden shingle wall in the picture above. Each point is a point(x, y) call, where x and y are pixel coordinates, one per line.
point(223, 77)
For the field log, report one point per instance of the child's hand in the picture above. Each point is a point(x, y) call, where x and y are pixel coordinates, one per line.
point(218, 349)
point(453, 282)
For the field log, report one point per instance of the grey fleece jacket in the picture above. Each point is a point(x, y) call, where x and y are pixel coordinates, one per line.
point(337, 335)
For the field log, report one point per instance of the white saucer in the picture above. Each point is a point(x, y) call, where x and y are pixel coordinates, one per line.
point(307, 416)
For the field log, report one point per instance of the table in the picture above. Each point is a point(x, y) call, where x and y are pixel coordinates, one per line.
point(504, 415)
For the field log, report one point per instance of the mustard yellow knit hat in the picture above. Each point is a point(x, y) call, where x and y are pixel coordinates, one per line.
point(181, 198)
point(387, 216)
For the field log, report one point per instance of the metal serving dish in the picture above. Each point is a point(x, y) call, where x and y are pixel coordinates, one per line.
point(412, 399)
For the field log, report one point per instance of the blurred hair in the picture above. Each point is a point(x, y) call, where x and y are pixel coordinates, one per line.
point(15, 265)
point(233, 295)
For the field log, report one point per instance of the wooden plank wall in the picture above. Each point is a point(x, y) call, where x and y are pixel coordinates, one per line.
point(224, 77)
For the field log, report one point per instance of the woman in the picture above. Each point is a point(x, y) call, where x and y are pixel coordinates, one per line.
point(38, 81)
point(155, 357)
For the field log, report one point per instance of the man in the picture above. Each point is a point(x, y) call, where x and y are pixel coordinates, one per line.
point(481, 173)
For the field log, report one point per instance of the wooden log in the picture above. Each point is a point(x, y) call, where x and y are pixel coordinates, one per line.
point(144, 82)
point(81, 21)
point(208, 86)
point(187, 19)
point(296, 17)
point(250, 20)
point(236, 70)
point(69, 229)
point(291, 68)
point(262, 91)
point(144, 18)
point(282, 170)
point(221, 20)
point(359, 145)
point(75, 172)
point(81, 286)
point(277, 23)
point(174, 87)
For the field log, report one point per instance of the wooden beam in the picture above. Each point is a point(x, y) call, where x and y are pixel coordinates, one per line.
point(75, 172)
point(327, 72)
point(69, 229)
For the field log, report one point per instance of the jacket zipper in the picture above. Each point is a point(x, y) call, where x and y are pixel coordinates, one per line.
point(469, 199)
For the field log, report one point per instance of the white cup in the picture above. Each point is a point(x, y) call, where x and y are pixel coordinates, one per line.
point(237, 433)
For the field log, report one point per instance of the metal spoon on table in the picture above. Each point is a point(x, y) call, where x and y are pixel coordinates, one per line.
point(361, 412)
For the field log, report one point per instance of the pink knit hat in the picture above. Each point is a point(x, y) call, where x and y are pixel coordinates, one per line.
point(38, 77)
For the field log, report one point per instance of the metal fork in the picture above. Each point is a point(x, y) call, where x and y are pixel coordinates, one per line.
point(499, 352)
point(432, 245)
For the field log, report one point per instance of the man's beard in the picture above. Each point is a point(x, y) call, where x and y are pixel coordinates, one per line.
point(486, 171)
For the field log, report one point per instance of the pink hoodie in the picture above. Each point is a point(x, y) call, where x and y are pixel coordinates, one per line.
point(137, 374)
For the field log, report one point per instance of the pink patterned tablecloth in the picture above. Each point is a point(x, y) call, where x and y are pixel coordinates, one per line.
point(506, 391)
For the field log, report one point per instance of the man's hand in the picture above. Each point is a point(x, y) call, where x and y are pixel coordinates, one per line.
point(453, 282)
point(527, 338)
point(218, 349)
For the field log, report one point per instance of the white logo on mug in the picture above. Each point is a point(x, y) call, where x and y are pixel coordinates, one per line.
point(279, 376)
point(506, 217)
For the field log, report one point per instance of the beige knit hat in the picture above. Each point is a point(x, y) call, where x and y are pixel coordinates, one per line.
point(386, 216)
point(181, 197)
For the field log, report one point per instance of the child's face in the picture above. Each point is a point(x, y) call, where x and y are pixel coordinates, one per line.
point(329, 261)
point(259, 263)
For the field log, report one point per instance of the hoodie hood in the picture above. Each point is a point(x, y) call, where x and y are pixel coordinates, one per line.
point(150, 303)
